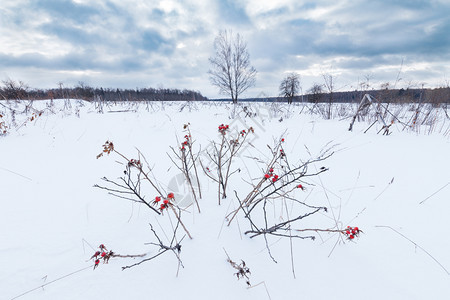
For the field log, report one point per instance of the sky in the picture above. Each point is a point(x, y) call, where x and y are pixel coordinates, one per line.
point(138, 44)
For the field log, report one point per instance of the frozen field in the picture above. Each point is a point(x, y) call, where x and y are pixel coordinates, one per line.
point(395, 188)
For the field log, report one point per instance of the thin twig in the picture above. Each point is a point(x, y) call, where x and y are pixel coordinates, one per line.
point(416, 245)
point(434, 193)
point(263, 283)
point(50, 282)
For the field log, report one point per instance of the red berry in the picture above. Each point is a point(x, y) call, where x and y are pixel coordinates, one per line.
point(162, 207)
point(103, 254)
point(97, 261)
point(170, 196)
point(347, 232)
point(166, 201)
point(157, 199)
point(267, 176)
point(271, 170)
point(351, 237)
point(300, 186)
point(282, 140)
point(356, 228)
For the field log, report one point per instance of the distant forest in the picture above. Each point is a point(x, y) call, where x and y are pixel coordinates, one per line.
point(18, 90)
point(435, 96)
point(11, 90)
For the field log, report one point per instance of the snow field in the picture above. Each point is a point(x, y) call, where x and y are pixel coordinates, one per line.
point(51, 215)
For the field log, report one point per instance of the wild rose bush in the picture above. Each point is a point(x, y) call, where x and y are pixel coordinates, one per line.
point(278, 186)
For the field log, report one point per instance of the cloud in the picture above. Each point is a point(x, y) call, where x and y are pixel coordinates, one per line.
point(353, 39)
point(66, 10)
point(150, 40)
point(168, 42)
point(233, 13)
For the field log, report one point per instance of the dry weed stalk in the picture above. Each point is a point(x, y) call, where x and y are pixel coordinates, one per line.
point(222, 157)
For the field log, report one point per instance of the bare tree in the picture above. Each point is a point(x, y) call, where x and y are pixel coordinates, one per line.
point(290, 86)
point(329, 84)
point(230, 69)
point(315, 93)
point(14, 90)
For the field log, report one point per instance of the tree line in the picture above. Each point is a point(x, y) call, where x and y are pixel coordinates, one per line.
point(11, 90)
point(408, 95)
point(314, 95)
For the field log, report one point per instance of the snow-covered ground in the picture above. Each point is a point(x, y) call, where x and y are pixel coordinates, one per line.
point(395, 188)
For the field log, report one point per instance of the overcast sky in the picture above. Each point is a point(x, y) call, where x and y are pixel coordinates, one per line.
point(129, 44)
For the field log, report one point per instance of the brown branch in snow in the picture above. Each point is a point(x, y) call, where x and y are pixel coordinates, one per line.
point(175, 247)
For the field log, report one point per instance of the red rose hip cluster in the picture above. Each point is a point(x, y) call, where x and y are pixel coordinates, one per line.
point(351, 232)
point(187, 141)
point(165, 202)
point(102, 254)
point(135, 163)
point(223, 129)
point(271, 175)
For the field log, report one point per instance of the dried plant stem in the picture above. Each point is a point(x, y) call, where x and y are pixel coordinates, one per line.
point(416, 245)
point(50, 282)
point(434, 193)
point(181, 223)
